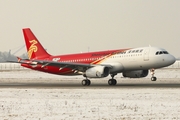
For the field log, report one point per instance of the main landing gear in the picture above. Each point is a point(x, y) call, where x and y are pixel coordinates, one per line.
point(86, 82)
point(112, 81)
point(153, 78)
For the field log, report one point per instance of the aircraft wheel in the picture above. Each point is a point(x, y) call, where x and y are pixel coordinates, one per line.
point(86, 82)
point(112, 82)
point(153, 79)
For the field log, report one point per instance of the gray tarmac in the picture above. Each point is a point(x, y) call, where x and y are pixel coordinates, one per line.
point(96, 84)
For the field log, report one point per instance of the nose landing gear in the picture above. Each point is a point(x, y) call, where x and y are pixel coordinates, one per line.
point(153, 78)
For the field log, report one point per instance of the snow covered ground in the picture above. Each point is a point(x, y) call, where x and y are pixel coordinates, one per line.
point(126, 103)
point(59, 104)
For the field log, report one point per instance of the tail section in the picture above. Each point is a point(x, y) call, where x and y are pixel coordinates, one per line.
point(34, 48)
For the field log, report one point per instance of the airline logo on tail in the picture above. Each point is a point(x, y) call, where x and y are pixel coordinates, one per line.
point(32, 48)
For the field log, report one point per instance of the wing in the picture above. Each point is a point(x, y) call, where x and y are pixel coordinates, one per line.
point(74, 66)
point(61, 65)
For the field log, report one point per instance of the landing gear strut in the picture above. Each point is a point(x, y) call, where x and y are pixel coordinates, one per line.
point(153, 78)
point(112, 81)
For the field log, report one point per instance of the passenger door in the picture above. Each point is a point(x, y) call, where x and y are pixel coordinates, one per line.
point(146, 54)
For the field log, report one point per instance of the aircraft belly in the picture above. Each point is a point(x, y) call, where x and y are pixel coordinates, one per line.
point(135, 65)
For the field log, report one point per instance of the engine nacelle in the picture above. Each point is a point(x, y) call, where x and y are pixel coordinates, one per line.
point(136, 74)
point(97, 72)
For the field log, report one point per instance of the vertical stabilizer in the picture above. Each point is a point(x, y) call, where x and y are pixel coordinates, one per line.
point(34, 48)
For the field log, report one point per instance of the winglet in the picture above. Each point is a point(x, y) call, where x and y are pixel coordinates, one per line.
point(19, 59)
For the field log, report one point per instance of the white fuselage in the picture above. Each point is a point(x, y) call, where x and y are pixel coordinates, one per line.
point(140, 59)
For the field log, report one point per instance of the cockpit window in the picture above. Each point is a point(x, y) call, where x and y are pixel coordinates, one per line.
point(165, 52)
point(161, 52)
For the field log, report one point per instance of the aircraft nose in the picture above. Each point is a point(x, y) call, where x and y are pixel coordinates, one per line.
point(171, 59)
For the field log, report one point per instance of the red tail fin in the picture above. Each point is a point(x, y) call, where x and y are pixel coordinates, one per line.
point(34, 48)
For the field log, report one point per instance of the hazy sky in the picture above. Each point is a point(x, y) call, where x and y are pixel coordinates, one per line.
point(71, 26)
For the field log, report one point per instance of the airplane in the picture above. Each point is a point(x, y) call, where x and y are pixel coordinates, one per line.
point(131, 62)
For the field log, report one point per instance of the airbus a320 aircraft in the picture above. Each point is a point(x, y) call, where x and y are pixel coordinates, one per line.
point(131, 62)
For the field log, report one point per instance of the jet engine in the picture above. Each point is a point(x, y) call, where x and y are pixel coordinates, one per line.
point(136, 74)
point(97, 72)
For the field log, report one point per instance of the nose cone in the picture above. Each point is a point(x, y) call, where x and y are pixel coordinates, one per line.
point(170, 59)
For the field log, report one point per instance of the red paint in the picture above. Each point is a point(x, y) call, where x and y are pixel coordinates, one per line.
point(37, 52)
